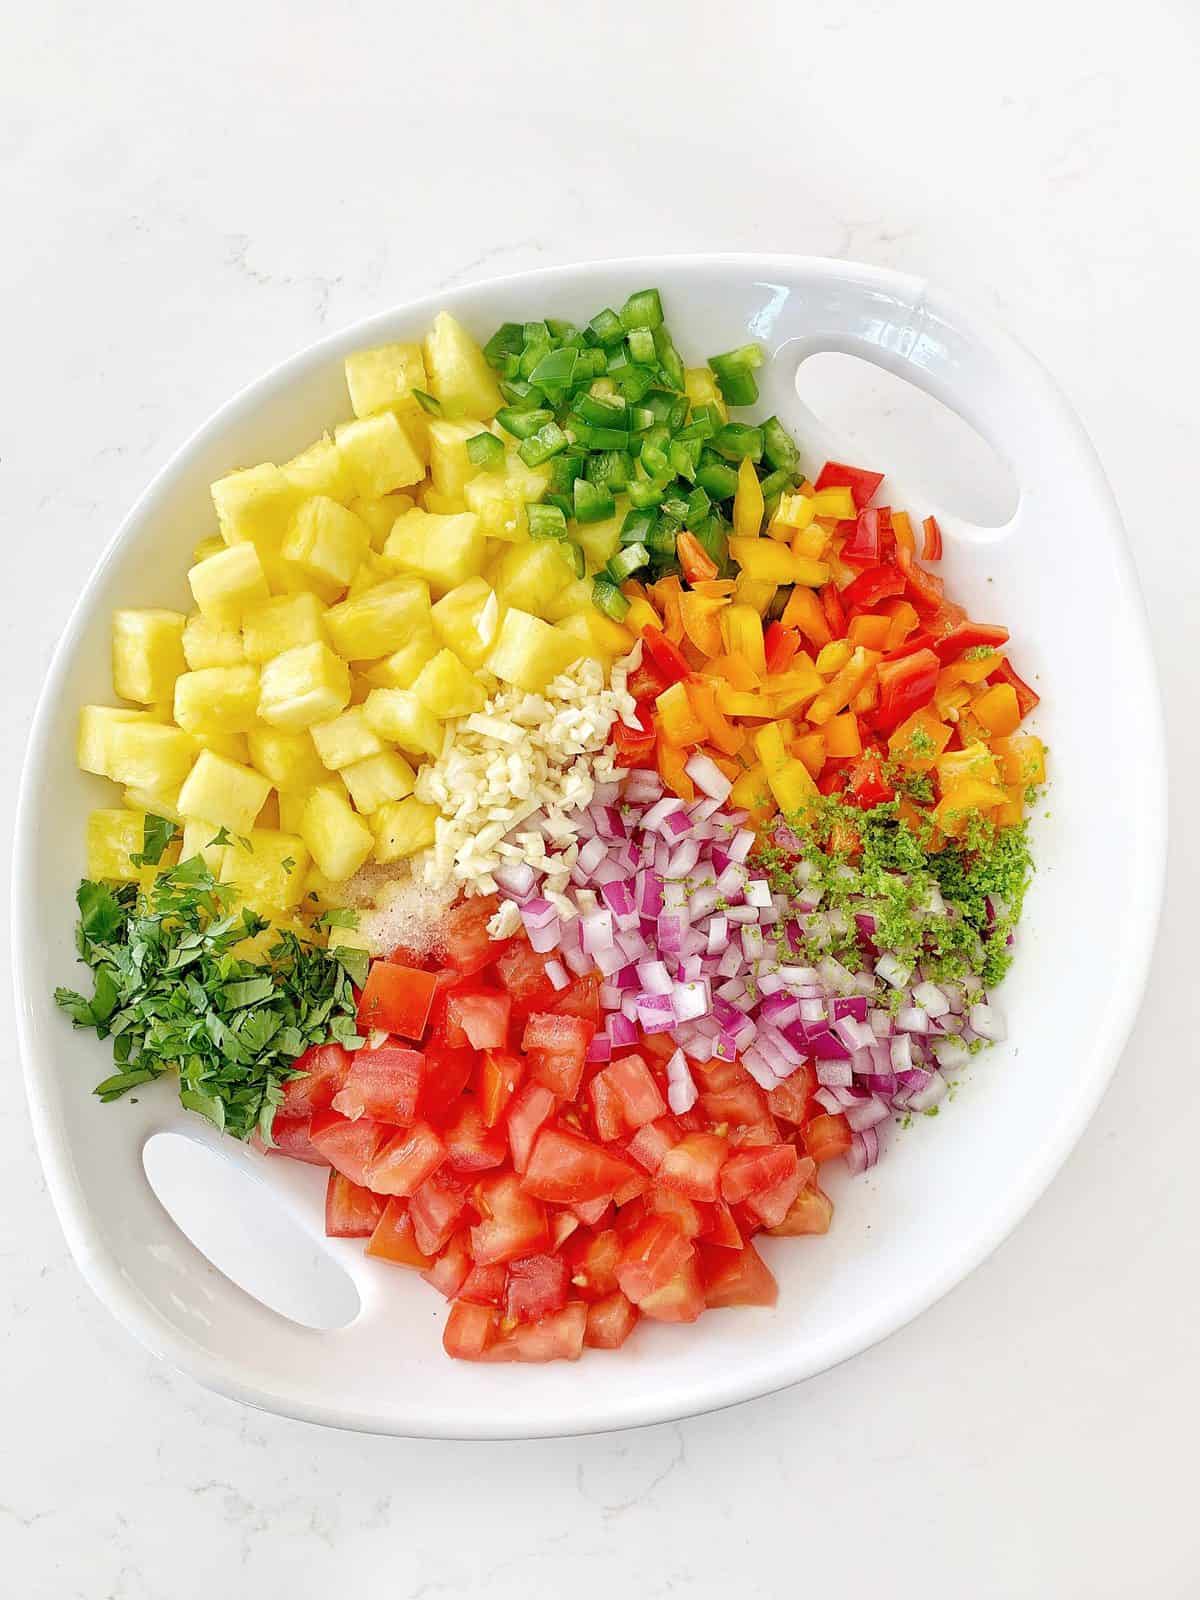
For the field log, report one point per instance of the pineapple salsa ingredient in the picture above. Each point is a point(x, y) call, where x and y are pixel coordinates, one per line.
point(684, 809)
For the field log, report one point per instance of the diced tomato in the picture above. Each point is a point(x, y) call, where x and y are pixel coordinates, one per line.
point(750, 1172)
point(770, 1206)
point(402, 1165)
point(862, 485)
point(469, 1330)
point(827, 1136)
point(593, 1260)
point(789, 1099)
point(447, 1073)
point(567, 1169)
point(736, 1278)
point(650, 1143)
point(324, 1068)
point(652, 1257)
point(558, 1337)
point(471, 1146)
point(397, 999)
point(747, 1134)
point(531, 1108)
point(465, 943)
point(717, 1075)
point(968, 636)
point(512, 1223)
point(384, 1084)
point(556, 1047)
point(450, 1271)
point(607, 1112)
point(867, 786)
point(393, 1239)
point(741, 1102)
point(351, 1212)
point(291, 1136)
point(478, 1017)
point(666, 1202)
point(693, 1166)
point(348, 1146)
point(435, 1209)
point(523, 973)
point(1027, 698)
point(635, 1088)
point(484, 1286)
point(635, 1186)
point(581, 998)
point(562, 1225)
point(680, 1299)
point(610, 1321)
point(668, 661)
point(810, 1212)
point(592, 1212)
point(499, 1077)
point(721, 1227)
point(537, 1285)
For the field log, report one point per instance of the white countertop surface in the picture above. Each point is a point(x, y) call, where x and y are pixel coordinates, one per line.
point(190, 195)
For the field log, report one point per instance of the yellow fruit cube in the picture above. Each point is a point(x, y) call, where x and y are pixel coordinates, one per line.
point(291, 804)
point(398, 716)
point(282, 623)
point(95, 728)
point(467, 620)
point(448, 688)
point(459, 375)
point(207, 645)
point(271, 872)
point(320, 470)
point(383, 378)
point(441, 505)
point(402, 827)
point(449, 465)
point(380, 515)
point(288, 760)
point(499, 505)
point(591, 634)
point(573, 601)
point(268, 817)
point(380, 454)
point(302, 686)
point(344, 739)
point(326, 541)
point(231, 745)
point(386, 776)
point(198, 837)
point(600, 541)
point(159, 805)
point(373, 571)
point(228, 584)
point(348, 939)
point(529, 652)
point(223, 792)
point(340, 841)
point(531, 483)
point(255, 505)
point(208, 547)
point(217, 699)
point(444, 550)
point(380, 620)
point(530, 576)
point(149, 755)
point(400, 669)
point(112, 837)
point(147, 654)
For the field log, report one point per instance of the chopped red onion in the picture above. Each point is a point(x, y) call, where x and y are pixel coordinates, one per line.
point(986, 1021)
point(654, 977)
point(718, 934)
point(622, 1030)
point(950, 1054)
point(912, 1019)
point(931, 999)
point(557, 974)
point(830, 1074)
point(760, 1070)
point(863, 1152)
point(690, 1000)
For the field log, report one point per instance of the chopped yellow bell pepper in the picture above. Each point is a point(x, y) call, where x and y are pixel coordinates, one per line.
point(953, 810)
point(771, 745)
point(836, 503)
point(792, 785)
point(998, 710)
point(752, 793)
point(742, 630)
point(796, 686)
point(841, 689)
point(811, 749)
point(748, 503)
point(812, 543)
point(1022, 758)
point(754, 592)
point(833, 657)
point(743, 702)
point(679, 724)
point(975, 763)
point(795, 511)
point(775, 563)
point(641, 614)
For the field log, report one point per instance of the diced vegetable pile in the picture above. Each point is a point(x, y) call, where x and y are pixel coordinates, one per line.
point(563, 820)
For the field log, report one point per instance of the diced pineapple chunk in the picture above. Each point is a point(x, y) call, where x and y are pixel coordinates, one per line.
point(373, 571)
point(529, 652)
point(441, 505)
point(327, 541)
point(340, 841)
point(381, 620)
point(271, 872)
point(386, 776)
point(344, 739)
point(302, 686)
point(531, 483)
point(164, 804)
point(402, 827)
point(112, 837)
point(217, 699)
point(444, 550)
point(282, 623)
point(206, 645)
point(147, 654)
point(289, 760)
point(291, 803)
point(268, 817)
point(448, 688)
point(380, 454)
point(231, 745)
point(499, 505)
point(228, 584)
point(255, 505)
point(149, 755)
point(594, 635)
point(529, 576)
point(467, 620)
point(459, 375)
point(380, 515)
point(398, 716)
point(600, 541)
point(223, 792)
point(571, 601)
point(449, 465)
point(320, 470)
point(198, 837)
point(95, 729)
point(348, 939)
point(384, 377)
point(400, 669)
point(207, 547)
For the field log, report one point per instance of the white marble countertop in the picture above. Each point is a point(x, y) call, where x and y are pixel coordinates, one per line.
point(191, 195)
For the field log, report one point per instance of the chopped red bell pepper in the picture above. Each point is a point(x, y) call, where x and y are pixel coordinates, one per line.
point(924, 589)
point(1027, 698)
point(919, 641)
point(875, 584)
point(635, 749)
point(835, 612)
point(861, 484)
point(667, 659)
point(862, 546)
point(932, 548)
point(868, 786)
point(904, 687)
point(781, 645)
point(968, 636)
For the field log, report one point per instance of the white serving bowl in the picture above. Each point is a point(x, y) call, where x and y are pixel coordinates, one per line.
point(948, 1190)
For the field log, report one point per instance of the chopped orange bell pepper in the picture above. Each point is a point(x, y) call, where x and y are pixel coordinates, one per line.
point(919, 741)
point(678, 723)
point(695, 560)
point(998, 710)
point(720, 731)
point(734, 670)
point(1013, 809)
point(748, 504)
point(666, 596)
point(803, 611)
point(671, 763)
point(792, 689)
point(902, 619)
point(975, 763)
point(833, 657)
point(906, 539)
point(871, 631)
point(1022, 758)
point(811, 749)
point(842, 737)
point(701, 621)
point(839, 692)
point(953, 810)
point(742, 629)
point(781, 645)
